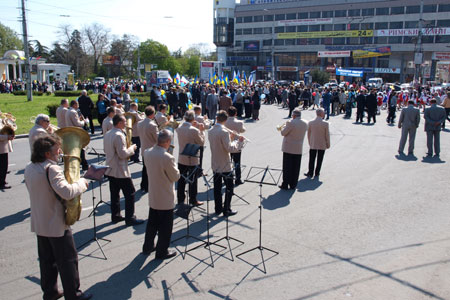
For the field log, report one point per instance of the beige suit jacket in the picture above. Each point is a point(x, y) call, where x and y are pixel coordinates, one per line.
point(5, 144)
point(47, 213)
point(162, 173)
point(107, 125)
point(138, 119)
point(225, 102)
point(148, 134)
point(188, 134)
point(36, 132)
point(72, 118)
point(235, 125)
point(117, 153)
point(201, 119)
point(293, 135)
point(119, 111)
point(160, 119)
point(318, 134)
point(61, 116)
point(221, 146)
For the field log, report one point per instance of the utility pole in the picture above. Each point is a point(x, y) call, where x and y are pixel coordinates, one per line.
point(27, 54)
point(418, 56)
point(139, 62)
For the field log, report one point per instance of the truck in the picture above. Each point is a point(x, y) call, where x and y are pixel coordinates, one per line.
point(375, 82)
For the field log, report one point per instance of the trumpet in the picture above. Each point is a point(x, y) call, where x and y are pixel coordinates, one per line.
point(8, 124)
point(50, 125)
point(235, 133)
point(281, 126)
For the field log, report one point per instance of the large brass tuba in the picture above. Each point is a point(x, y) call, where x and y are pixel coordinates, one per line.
point(130, 121)
point(7, 124)
point(73, 140)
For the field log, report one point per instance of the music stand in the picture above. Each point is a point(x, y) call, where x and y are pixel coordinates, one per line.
point(96, 175)
point(99, 154)
point(260, 247)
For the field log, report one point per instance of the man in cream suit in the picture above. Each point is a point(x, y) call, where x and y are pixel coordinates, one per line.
point(189, 134)
point(221, 146)
point(162, 173)
point(319, 141)
point(409, 121)
point(61, 113)
point(48, 188)
point(160, 117)
point(238, 126)
point(5, 148)
point(135, 134)
point(293, 135)
point(199, 119)
point(40, 128)
point(73, 119)
point(107, 123)
point(117, 154)
point(148, 134)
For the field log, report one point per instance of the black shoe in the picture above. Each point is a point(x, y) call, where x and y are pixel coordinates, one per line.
point(238, 182)
point(117, 219)
point(134, 222)
point(144, 190)
point(5, 187)
point(136, 161)
point(283, 187)
point(410, 153)
point(167, 255)
point(229, 213)
point(308, 175)
point(196, 203)
point(401, 153)
point(218, 212)
point(147, 252)
point(58, 295)
point(84, 296)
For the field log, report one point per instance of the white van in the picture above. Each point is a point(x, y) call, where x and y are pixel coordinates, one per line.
point(375, 83)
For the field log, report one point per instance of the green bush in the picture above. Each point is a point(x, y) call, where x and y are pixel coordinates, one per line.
point(70, 93)
point(48, 93)
point(51, 108)
point(134, 95)
point(24, 93)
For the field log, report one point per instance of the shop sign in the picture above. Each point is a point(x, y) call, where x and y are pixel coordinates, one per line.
point(372, 52)
point(305, 22)
point(441, 56)
point(387, 70)
point(325, 34)
point(347, 72)
point(333, 54)
point(287, 69)
point(412, 32)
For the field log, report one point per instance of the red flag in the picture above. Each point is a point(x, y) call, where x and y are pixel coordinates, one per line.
point(38, 57)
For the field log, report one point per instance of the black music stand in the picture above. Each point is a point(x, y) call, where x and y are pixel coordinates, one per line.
point(96, 175)
point(260, 247)
point(99, 154)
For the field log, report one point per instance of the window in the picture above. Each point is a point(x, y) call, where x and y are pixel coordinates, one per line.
point(248, 19)
point(429, 8)
point(302, 41)
point(238, 31)
point(267, 42)
point(314, 28)
point(239, 20)
point(381, 40)
point(411, 24)
point(257, 30)
point(395, 40)
point(368, 11)
point(382, 63)
point(396, 25)
point(291, 16)
point(247, 31)
point(381, 25)
point(354, 12)
point(381, 11)
point(257, 18)
point(327, 27)
point(291, 28)
point(398, 10)
point(289, 42)
point(302, 28)
point(352, 41)
point(338, 27)
point(313, 41)
point(442, 23)
point(303, 15)
point(413, 9)
point(338, 41)
point(238, 43)
point(340, 13)
point(443, 39)
point(327, 41)
point(314, 15)
point(443, 8)
point(327, 14)
point(366, 40)
point(409, 39)
point(279, 29)
point(354, 26)
point(365, 26)
point(279, 42)
point(280, 17)
point(267, 30)
point(427, 39)
point(268, 18)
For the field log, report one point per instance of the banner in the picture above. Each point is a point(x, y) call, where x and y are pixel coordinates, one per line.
point(287, 69)
point(441, 56)
point(351, 73)
point(387, 70)
point(325, 34)
point(111, 60)
point(333, 54)
point(304, 22)
point(372, 52)
point(413, 32)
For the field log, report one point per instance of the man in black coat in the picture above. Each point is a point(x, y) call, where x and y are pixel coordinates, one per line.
point(86, 105)
point(371, 104)
point(360, 105)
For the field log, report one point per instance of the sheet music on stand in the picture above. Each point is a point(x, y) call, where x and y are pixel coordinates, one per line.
point(96, 172)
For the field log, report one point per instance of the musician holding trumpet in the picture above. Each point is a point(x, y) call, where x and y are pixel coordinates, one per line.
point(41, 128)
point(237, 127)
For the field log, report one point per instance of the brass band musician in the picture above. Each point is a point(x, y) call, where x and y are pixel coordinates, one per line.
point(107, 123)
point(237, 126)
point(41, 128)
point(160, 118)
point(74, 119)
point(199, 119)
point(148, 134)
point(61, 113)
point(135, 135)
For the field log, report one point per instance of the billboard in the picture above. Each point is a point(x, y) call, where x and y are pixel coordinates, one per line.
point(110, 60)
point(325, 34)
point(156, 77)
point(251, 45)
point(351, 73)
point(413, 32)
point(333, 54)
point(372, 52)
point(207, 68)
point(304, 22)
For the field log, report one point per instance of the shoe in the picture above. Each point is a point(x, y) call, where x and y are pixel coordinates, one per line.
point(84, 296)
point(58, 295)
point(401, 153)
point(144, 190)
point(238, 182)
point(117, 219)
point(167, 255)
point(308, 175)
point(134, 222)
point(196, 203)
point(229, 213)
point(136, 161)
point(218, 212)
point(283, 187)
point(8, 172)
point(147, 252)
point(5, 187)
point(410, 153)
point(428, 155)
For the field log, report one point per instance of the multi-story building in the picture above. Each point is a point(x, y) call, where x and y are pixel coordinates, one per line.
point(282, 39)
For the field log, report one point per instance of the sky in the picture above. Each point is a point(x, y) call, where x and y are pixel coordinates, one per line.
point(175, 23)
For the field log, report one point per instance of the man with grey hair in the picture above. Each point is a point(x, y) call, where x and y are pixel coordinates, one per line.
point(86, 105)
point(319, 141)
point(188, 133)
point(162, 173)
point(293, 133)
point(41, 128)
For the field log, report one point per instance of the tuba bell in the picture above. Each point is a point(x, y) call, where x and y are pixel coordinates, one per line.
point(7, 124)
point(73, 140)
point(130, 121)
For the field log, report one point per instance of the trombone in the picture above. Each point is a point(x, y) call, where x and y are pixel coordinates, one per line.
point(235, 133)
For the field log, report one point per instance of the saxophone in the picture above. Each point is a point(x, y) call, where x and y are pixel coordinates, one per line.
point(73, 140)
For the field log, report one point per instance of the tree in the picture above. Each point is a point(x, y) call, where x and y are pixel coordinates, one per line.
point(97, 41)
point(319, 76)
point(9, 40)
point(124, 48)
point(39, 49)
point(153, 52)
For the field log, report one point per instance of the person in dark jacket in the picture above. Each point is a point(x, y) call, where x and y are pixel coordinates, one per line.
point(172, 100)
point(360, 105)
point(372, 105)
point(256, 101)
point(182, 101)
point(86, 105)
point(293, 102)
point(326, 102)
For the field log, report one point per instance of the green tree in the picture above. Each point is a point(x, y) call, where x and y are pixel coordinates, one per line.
point(153, 52)
point(9, 40)
point(319, 76)
point(124, 48)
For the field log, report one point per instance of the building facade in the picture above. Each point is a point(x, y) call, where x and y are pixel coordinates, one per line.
point(283, 39)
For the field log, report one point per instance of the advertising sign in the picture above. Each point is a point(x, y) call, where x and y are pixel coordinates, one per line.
point(287, 69)
point(251, 45)
point(304, 22)
point(333, 54)
point(413, 32)
point(372, 52)
point(207, 68)
point(162, 77)
point(441, 56)
point(387, 70)
point(325, 34)
point(351, 73)
point(111, 60)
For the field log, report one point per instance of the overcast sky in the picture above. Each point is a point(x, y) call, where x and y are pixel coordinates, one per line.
point(175, 23)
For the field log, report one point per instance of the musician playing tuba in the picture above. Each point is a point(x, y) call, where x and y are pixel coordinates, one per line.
point(73, 119)
point(48, 190)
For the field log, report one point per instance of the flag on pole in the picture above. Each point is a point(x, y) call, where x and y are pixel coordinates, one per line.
point(226, 80)
point(177, 79)
point(183, 81)
point(170, 78)
point(210, 79)
point(252, 78)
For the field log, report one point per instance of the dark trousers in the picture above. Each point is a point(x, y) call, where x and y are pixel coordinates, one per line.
point(186, 172)
point(159, 222)
point(239, 109)
point(348, 110)
point(127, 187)
point(136, 140)
point(312, 159)
point(391, 116)
point(58, 255)
point(3, 168)
point(91, 124)
point(291, 109)
point(236, 159)
point(359, 114)
point(327, 110)
point(202, 149)
point(84, 163)
point(291, 169)
point(144, 180)
point(433, 139)
point(248, 110)
point(220, 178)
point(371, 114)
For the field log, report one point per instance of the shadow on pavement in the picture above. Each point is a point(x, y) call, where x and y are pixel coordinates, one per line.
point(406, 157)
point(307, 184)
point(278, 200)
point(14, 219)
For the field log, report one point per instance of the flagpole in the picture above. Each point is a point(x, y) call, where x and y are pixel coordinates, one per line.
point(27, 54)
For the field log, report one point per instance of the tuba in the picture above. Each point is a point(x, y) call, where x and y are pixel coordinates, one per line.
point(73, 140)
point(130, 121)
point(7, 124)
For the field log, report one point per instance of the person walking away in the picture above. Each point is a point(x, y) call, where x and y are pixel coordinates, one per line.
point(434, 116)
point(408, 122)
